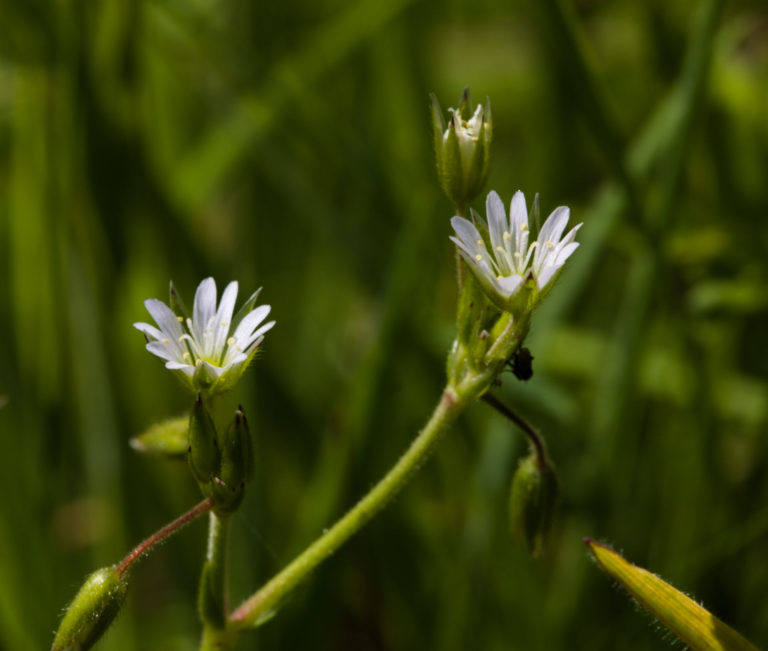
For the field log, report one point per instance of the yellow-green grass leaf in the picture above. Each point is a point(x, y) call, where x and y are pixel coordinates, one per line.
point(693, 624)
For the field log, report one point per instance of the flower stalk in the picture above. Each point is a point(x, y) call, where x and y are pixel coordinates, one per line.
point(265, 601)
point(146, 546)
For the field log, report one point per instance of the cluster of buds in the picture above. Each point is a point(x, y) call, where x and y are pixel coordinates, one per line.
point(221, 462)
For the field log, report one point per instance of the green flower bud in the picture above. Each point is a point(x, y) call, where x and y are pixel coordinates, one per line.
point(92, 611)
point(237, 451)
point(203, 452)
point(532, 501)
point(236, 464)
point(462, 148)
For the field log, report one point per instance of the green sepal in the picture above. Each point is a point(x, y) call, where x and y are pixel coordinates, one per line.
point(91, 612)
point(176, 304)
point(438, 127)
point(167, 438)
point(533, 499)
point(245, 309)
point(236, 467)
point(236, 451)
point(465, 105)
point(203, 450)
point(449, 165)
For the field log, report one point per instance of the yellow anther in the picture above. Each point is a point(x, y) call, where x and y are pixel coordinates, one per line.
point(230, 341)
point(187, 355)
point(507, 236)
point(549, 244)
point(479, 242)
point(523, 226)
point(165, 341)
point(478, 257)
point(181, 338)
point(224, 324)
point(199, 363)
point(180, 319)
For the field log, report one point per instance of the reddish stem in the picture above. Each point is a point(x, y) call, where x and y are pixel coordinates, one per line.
point(168, 530)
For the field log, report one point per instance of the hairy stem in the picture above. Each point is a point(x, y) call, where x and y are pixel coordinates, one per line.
point(262, 603)
point(143, 548)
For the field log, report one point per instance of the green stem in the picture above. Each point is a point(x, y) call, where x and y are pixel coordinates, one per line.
point(262, 603)
point(213, 594)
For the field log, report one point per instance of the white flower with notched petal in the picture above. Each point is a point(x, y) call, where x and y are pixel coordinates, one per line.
point(210, 350)
point(511, 261)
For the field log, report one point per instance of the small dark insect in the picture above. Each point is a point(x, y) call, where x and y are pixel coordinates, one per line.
point(522, 364)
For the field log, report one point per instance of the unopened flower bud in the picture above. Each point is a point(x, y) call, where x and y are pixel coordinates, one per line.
point(204, 456)
point(92, 611)
point(532, 502)
point(462, 148)
point(236, 463)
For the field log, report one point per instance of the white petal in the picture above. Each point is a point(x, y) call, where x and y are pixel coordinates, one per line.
point(250, 321)
point(518, 212)
point(518, 223)
point(205, 306)
point(571, 235)
point(546, 275)
point(549, 236)
point(497, 220)
point(163, 351)
point(555, 225)
point(509, 284)
point(224, 318)
point(186, 368)
point(468, 234)
point(149, 330)
point(214, 371)
point(565, 253)
point(164, 317)
point(235, 361)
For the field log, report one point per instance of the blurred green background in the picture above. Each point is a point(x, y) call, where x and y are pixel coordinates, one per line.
point(288, 144)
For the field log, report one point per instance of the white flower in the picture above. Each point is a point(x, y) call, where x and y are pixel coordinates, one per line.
point(467, 131)
point(210, 350)
point(503, 270)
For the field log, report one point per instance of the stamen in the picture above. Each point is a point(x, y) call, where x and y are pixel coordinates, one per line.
point(549, 244)
point(224, 324)
point(180, 319)
point(478, 257)
point(165, 341)
point(523, 226)
point(507, 236)
point(479, 242)
point(230, 341)
point(199, 363)
point(186, 355)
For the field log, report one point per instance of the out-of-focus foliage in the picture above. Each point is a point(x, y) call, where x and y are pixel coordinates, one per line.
point(288, 145)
